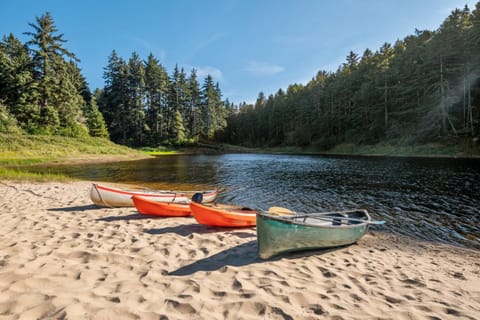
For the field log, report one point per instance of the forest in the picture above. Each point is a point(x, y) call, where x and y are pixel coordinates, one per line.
point(423, 88)
point(42, 91)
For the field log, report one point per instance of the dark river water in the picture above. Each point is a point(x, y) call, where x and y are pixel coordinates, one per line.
point(432, 199)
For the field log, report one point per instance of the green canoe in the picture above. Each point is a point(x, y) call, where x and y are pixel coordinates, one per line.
point(295, 232)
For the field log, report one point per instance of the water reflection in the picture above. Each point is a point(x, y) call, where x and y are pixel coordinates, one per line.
point(434, 199)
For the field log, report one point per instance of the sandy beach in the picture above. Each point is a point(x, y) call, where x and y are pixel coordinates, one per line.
point(62, 257)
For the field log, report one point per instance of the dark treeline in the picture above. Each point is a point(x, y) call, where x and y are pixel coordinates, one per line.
point(144, 106)
point(423, 88)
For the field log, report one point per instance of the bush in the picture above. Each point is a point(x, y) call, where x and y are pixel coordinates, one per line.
point(8, 124)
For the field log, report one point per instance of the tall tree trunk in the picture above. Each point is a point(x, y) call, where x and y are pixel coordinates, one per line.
point(465, 112)
point(469, 103)
point(443, 107)
point(386, 103)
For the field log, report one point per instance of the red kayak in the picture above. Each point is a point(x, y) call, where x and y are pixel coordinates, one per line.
point(161, 209)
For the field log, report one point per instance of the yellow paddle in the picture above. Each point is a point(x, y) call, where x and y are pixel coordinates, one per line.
point(279, 211)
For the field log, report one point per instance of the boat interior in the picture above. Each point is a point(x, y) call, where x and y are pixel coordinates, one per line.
point(334, 218)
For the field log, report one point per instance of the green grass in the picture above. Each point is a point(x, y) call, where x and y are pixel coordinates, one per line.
point(425, 150)
point(160, 151)
point(30, 149)
point(392, 148)
point(18, 150)
point(19, 175)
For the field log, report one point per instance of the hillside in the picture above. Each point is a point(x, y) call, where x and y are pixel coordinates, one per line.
point(17, 150)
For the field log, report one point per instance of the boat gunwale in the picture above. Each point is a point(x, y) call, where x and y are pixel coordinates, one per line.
point(160, 203)
point(341, 226)
point(152, 193)
point(226, 211)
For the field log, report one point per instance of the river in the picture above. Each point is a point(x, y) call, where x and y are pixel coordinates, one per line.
point(428, 198)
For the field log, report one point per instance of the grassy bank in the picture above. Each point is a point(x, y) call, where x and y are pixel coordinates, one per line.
point(446, 150)
point(20, 150)
point(17, 151)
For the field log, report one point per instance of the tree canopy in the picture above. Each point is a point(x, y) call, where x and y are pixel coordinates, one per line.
point(42, 86)
point(423, 88)
point(144, 106)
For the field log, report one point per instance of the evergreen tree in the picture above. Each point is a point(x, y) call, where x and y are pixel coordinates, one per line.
point(8, 123)
point(212, 110)
point(95, 122)
point(178, 99)
point(18, 90)
point(194, 122)
point(178, 129)
point(113, 103)
point(60, 106)
point(156, 95)
point(135, 103)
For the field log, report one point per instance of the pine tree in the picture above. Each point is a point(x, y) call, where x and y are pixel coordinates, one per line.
point(135, 103)
point(114, 99)
point(178, 129)
point(18, 90)
point(194, 122)
point(178, 99)
point(95, 122)
point(156, 94)
point(60, 106)
point(212, 110)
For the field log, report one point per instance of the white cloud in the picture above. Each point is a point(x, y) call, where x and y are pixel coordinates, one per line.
point(202, 72)
point(263, 68)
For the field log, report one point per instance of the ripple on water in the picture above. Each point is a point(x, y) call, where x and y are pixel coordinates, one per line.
point(434, 199)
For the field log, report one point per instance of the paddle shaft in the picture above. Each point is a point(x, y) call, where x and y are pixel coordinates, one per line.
point(322, 216)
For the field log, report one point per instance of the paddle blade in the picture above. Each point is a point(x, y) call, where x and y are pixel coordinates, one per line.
point(378, 222)
point(279, 211)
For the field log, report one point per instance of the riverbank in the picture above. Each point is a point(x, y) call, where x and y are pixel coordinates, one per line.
point(17, 151)
point(432, 150)
point(62, 257)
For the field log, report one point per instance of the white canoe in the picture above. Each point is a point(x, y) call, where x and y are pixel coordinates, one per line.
point(108, 196)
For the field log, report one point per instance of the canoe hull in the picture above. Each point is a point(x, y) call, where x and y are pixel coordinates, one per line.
point(161, 209)
point(276, 236)
point(107, 196)
point(223, 217)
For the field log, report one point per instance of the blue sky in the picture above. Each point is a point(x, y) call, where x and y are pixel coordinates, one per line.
point(248, 46)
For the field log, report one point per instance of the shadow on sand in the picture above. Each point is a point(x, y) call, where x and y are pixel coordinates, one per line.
point(187, 229)
point(76, 208)
point(240, 255)
point(133, 216)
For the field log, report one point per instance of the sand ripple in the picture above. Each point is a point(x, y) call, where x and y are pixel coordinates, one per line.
point(63, 258)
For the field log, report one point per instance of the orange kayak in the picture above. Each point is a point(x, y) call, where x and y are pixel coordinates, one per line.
point(223, 215)
point(162, 209)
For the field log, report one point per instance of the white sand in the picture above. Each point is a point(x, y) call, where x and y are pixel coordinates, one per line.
point(63, 258)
